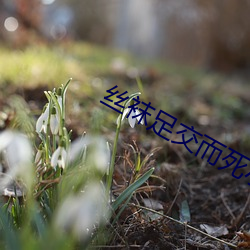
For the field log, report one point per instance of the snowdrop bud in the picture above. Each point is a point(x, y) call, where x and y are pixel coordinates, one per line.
point(59, 97)
point(59, 157)
point(79, 214)
point(59, 91)
point(39, 154)
point(42, 122)
point(54, 122)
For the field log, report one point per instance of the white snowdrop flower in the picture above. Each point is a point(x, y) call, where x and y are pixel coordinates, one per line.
point(131, 120)
point(100, 155)
point(77, 149)
point(54, 121)
point(5, 139)
point(80, 214)
point(98, 152)
point(42, 122)
point(17, 152)
point(59, 157)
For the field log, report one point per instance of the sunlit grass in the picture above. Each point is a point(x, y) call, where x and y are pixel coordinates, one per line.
point(41, 64)
point(37, 65)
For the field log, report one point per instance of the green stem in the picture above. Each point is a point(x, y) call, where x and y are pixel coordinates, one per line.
point(112, 164)
point(54, 142)
point(65, 87)
point(47, 140)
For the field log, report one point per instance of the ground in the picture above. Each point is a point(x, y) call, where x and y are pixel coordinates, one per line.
point(183, 186)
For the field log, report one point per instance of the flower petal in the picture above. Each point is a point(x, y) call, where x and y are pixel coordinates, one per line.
point(138, 117)
point(55, 156)
point(18, 156)
point(42, 121)
point(54, 124)
point(44, 127)
point(39, 123)
point(125, 113)
point(19, 151)
point(101, 155)
point(63, 158)
point(131, 121)
point(5, 139)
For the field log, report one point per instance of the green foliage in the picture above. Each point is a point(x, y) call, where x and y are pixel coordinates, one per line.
point(132, 188)
point(66, 205)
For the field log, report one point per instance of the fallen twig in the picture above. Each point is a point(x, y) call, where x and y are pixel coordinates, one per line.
point(184, 224)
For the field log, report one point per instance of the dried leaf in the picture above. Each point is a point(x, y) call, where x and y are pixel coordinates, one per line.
point(153, 204)
point(245, 236)
point(215, 231)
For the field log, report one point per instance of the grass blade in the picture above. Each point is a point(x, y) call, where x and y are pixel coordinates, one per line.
point(128, 191)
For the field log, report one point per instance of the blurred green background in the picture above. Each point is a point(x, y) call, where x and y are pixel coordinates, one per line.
point(191, 56)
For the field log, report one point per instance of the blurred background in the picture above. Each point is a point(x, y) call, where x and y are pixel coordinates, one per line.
point(181, 50)
point(212, 34)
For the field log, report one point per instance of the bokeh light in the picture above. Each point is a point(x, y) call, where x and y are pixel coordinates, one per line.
point(11, 24)
point(48, 2)
point(58, 31)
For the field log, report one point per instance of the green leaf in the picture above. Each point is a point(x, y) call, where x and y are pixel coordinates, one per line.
point(10, 236)
point(65, 87)
point(129, 190)
point(39, 222)
point(139, 84)
point(138, 163)
point(122, 209)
